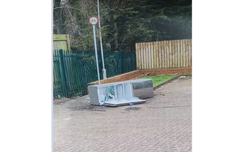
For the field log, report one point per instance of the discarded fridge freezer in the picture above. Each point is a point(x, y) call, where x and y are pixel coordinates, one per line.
point(121, 93)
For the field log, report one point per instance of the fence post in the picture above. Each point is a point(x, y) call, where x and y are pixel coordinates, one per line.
point(63, 74)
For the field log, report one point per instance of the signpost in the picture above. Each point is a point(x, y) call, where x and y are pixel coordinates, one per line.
point(101, 43)
point(93, 21)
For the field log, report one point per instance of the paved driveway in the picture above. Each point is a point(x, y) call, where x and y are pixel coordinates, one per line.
point(162, 124)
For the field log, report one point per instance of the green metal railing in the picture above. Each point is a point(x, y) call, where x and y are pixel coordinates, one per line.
point(73, 70)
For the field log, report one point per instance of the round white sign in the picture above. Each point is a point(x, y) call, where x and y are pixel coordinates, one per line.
point(93, 20)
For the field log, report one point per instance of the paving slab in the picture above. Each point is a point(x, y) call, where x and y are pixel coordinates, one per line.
point(162, 124)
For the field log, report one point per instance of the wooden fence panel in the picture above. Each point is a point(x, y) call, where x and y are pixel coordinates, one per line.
point(61, 41)
point(164, 54)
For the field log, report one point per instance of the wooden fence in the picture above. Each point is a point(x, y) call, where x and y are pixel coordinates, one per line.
point(164, 54)
point(61, 41)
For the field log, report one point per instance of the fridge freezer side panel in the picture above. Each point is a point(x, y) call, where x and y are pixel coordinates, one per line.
point(143, 89)
point(93, 94)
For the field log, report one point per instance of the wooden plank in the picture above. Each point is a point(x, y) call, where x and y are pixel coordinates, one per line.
point(183, 50)
point(137, 55)
point(141, 55)
point(187, 52)
point(173, 53)
point(162, 55)
point(146, 55)
point(185, 42)
point(191, 53)
point(184, 53)
point(152, 55)
point(159, 53)
point(178, 53)
point(59, 37)
point(181, 54)
point(190, 57)
point(149, 54)
point(149, 61)
point(138, 60)
point(151, 51)
point(181, 64)
point(170, 56)
point(68, 42)
point(165, 58)
point(156, 55)
point(167, 55)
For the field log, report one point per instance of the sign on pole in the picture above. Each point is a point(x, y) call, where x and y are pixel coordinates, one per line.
point(93, 21)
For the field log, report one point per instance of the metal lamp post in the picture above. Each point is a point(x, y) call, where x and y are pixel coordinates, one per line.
point(93, 21)
point(101, 44)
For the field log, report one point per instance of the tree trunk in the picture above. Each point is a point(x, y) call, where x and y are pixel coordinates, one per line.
point(115, 36)
point(60, 20)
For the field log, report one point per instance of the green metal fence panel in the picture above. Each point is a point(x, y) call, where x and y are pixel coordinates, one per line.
point(73, 70)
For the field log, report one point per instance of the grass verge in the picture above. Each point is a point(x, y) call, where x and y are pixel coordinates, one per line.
point(157, 79)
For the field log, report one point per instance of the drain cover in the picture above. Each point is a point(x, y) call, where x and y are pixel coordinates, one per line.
point(132, 108)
